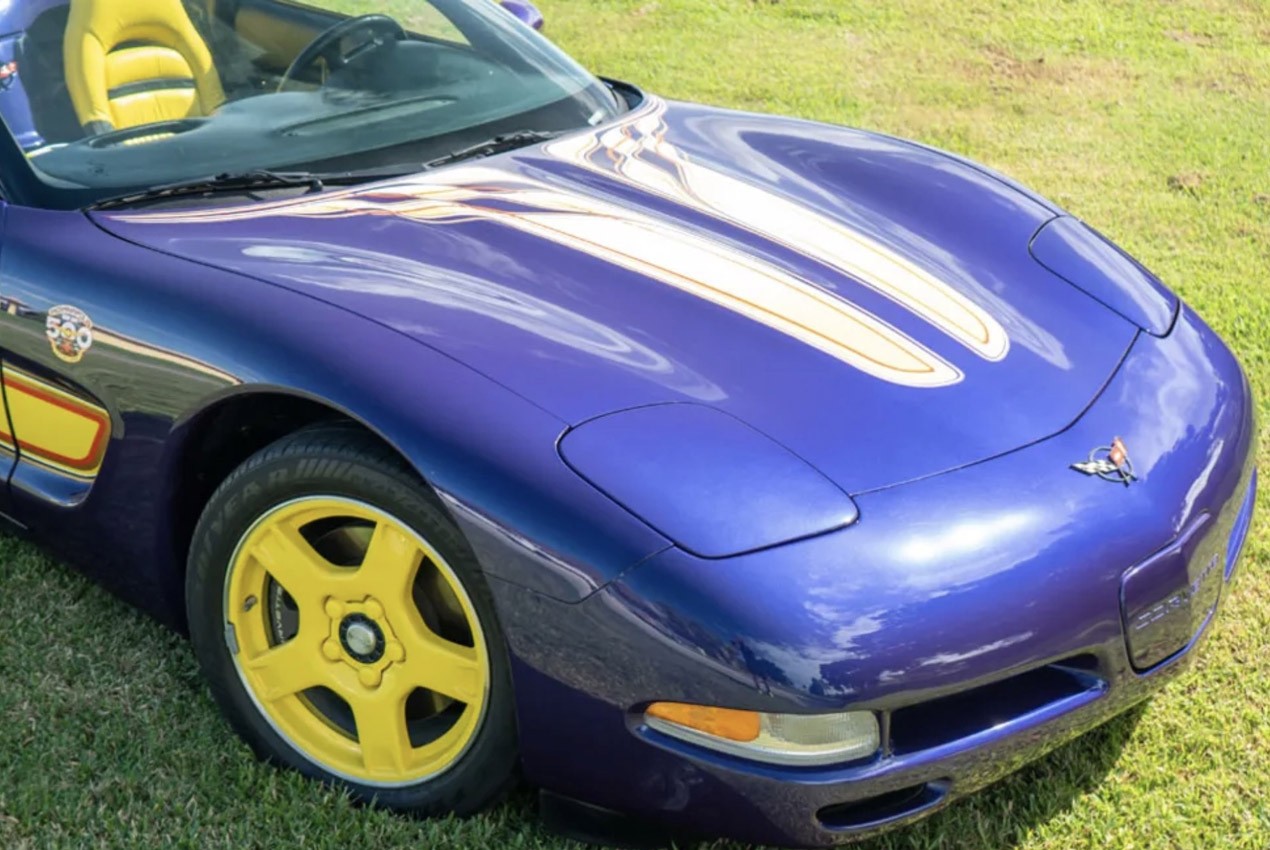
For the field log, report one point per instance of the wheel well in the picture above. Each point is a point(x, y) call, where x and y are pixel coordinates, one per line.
point(221, 439)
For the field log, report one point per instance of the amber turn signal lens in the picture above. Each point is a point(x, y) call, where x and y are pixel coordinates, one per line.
point(790, 739)
point(728, 723)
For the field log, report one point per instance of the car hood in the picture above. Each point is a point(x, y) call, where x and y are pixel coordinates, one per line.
point(869, 304)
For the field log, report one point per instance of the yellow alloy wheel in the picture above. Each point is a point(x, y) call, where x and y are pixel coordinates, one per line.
point(356, 641)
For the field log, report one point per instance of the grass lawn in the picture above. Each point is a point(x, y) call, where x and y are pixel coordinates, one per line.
point(1149, 120)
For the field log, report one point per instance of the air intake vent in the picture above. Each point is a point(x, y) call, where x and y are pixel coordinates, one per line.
point(875, 811)
point(951, 718)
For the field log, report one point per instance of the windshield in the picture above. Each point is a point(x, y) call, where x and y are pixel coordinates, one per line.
point(110, 96)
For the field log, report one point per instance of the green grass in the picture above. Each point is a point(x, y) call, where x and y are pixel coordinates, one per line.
point(1149, 120)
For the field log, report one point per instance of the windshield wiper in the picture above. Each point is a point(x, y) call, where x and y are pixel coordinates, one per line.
point(265, 179)
point(489, 147)
point(498, 144)
point(257, 179)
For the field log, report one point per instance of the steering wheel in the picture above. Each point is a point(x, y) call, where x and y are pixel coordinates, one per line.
point(381, 29)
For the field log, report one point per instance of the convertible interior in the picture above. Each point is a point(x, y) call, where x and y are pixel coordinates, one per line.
point(138, 62)
point(127, 93)
point(94, 66)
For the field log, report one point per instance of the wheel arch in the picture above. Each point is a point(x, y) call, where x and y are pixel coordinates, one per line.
point(212, 442)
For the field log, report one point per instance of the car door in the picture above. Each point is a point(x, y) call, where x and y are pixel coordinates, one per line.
point(92, 371)
point(96, 375)
point(58, 429)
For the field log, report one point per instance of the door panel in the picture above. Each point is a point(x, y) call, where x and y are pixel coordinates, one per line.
point(60, 432)
point(101, 360)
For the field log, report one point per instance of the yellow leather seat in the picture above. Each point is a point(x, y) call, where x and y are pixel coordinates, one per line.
point(132, 62)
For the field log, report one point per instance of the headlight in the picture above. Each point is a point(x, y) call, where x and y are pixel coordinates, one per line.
point(786, 739)
point(705, 480)
point(1088, 261)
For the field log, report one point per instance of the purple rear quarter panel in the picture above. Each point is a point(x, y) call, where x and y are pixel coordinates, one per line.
point(15, 17)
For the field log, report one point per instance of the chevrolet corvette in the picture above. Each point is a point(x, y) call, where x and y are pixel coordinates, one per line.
point(482, 420)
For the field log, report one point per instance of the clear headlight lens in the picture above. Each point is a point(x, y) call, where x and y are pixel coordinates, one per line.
point(786, 739)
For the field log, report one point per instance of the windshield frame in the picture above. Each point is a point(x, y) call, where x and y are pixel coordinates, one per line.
point(22, 182)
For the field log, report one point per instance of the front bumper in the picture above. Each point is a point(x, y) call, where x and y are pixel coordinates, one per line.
point(982, 613)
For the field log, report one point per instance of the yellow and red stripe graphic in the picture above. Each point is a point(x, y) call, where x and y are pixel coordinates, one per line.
point(53, 428)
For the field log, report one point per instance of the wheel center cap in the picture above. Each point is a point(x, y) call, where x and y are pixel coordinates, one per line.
point(362, 638)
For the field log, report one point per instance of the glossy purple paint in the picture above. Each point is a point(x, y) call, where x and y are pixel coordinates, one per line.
point(977, 555)
point(943, 585)
point(526, 11)
point(691, 472)
point(601, 338)
point(1190, 573)
point(15, 107)
point(1085, 259)
point(17, 15)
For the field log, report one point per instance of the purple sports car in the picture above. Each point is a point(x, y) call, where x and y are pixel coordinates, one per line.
point(718, 473)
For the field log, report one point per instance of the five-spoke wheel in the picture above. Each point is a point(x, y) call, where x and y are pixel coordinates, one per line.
point(345, 629)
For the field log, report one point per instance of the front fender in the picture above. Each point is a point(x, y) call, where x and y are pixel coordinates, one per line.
point(490, 454)
point(175, 339)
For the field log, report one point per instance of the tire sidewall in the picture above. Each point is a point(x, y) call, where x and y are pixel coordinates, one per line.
point(282, 474)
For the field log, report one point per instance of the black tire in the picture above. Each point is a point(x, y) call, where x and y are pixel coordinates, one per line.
point(345, 462)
